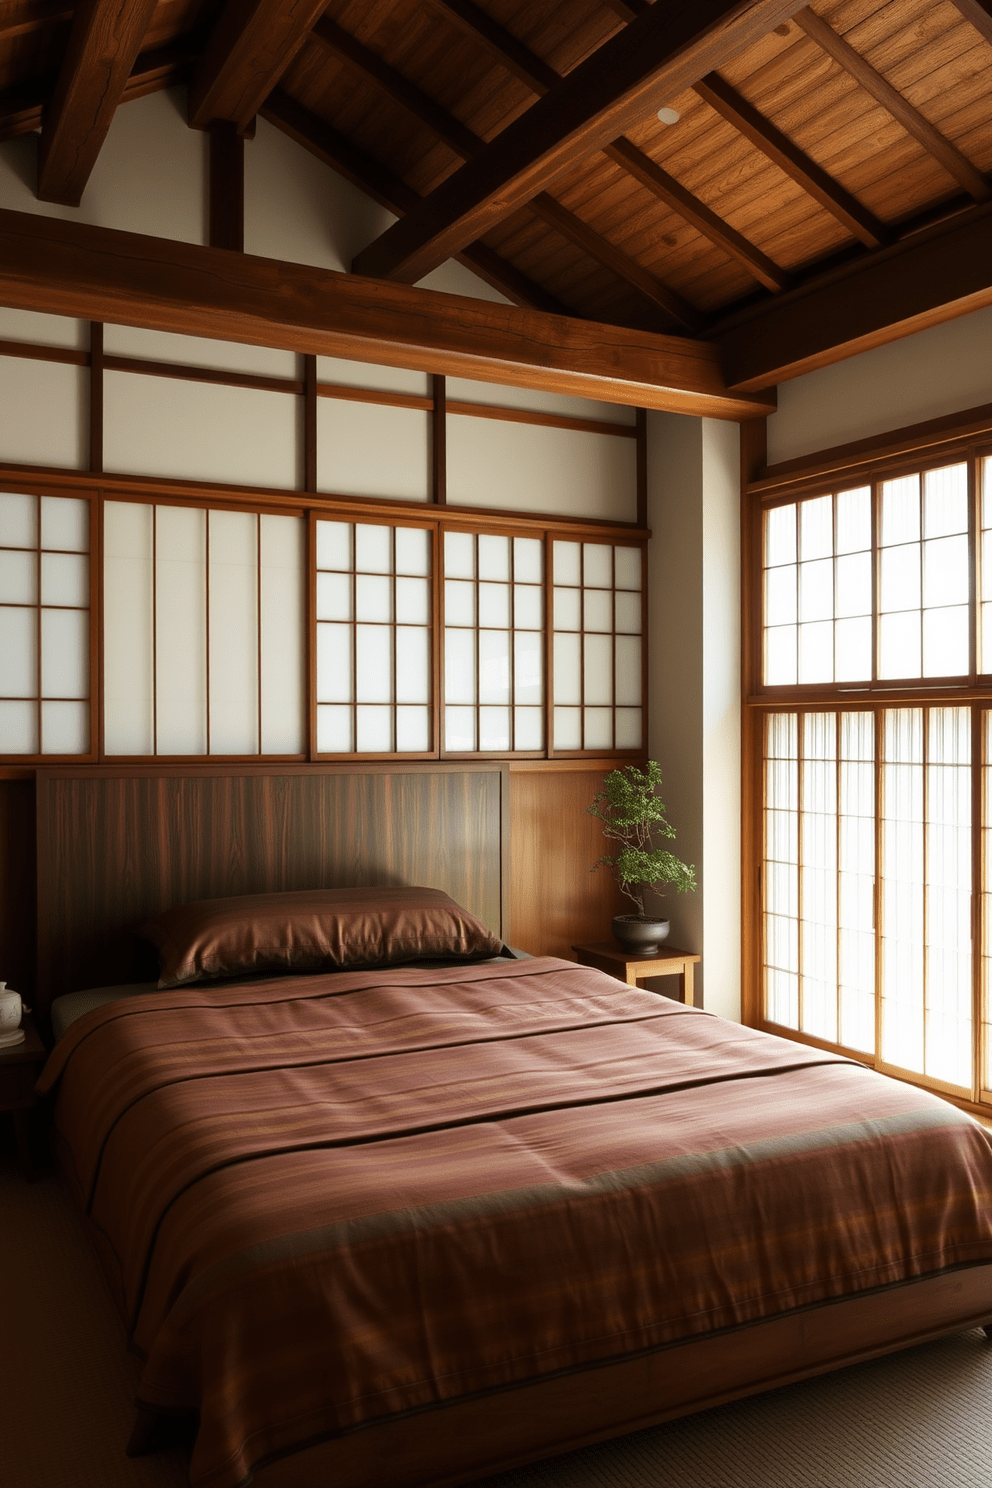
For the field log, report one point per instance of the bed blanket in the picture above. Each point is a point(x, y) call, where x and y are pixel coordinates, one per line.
point(321, 1201)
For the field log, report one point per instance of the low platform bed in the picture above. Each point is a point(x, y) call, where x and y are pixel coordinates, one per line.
point(413, 1226)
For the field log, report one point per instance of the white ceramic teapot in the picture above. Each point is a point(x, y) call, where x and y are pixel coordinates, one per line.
point(11, 1008)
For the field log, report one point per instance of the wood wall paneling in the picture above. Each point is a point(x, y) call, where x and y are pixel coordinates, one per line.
point(555, 900)
point(114, 849)
point(17, 886)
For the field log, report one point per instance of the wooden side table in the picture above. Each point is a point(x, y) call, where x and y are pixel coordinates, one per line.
point(631, 968)
point(20, 1066)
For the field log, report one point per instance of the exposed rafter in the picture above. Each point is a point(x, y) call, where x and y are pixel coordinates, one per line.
point(942, 150)
point(931, 277)
point(664, 51)
point(22, 17)
point(94, 273)
point(465, 143)
point(104, 43)
point(794, 162)
point(389, 190)
point(249, 49)
point(979, 13)
point(538, 75)
point(22, 109)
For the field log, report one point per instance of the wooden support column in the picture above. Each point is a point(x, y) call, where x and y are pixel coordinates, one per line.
point(227, 186)
point(309, 423)
point(439, 443)
point(96, 396)
point(641, 426)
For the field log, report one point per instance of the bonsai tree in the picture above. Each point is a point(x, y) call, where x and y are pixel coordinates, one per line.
point(631, 812)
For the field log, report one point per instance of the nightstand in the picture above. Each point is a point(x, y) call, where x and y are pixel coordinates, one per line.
point(20, 1066)
point(631, 968)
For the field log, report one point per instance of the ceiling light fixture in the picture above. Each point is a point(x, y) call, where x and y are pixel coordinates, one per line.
point(669, 115)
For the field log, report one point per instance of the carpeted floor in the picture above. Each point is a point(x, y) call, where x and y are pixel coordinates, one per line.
point(915, 1420)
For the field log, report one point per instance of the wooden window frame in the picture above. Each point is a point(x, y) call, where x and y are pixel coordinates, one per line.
point(965, 437)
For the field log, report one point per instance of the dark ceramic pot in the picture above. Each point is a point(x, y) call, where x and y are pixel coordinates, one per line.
point(640, 935)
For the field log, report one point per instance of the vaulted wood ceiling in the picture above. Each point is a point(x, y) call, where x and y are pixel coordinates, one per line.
point(821, 185)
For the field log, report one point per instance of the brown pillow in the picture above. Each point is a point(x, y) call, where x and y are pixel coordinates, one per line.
point(313, 930)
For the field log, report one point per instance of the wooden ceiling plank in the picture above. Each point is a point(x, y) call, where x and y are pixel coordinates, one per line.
point(942, 150)
point(541, 77)
point(933, 276)
point(979, 13)
point(249, 49)
point(667, 49)
point(94, 273)
point(464, 142)
point(104, 43)
point(390, 191)
point(651, 175)
point(22, 20)
point(796, 164)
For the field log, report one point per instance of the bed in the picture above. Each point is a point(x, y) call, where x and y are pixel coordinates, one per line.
point(410, 1225)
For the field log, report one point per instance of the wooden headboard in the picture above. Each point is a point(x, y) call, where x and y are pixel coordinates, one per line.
point(116, 845)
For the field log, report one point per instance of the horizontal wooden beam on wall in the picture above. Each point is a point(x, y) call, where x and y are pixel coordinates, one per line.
point(931, 277)
point(70, 268)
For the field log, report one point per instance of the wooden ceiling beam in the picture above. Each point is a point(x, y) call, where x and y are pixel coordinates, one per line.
point(390, 191)
point(104, 43)
point(94, 273)
point(796, 164)
point(465, 143)
point(538, 75)
point(933, 276)
point(979, 13)
point(249, 49)
point(657, 56)
point(22, 109)
point(22, 17)
point(942, 150)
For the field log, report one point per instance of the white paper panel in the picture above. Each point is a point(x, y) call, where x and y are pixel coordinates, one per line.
point(627, 567)
point(334, 545)
point(127, 609)
point(367, 375)
point(628, 656)
point(529, 728)
point(496, 395)
point(18, 577)
point(494, 668)
point(459, 728)
point(164, 426)
point(233, 639)
point(334, 730)
point(598, 728)
point(628, 726)
point(566, 563)
point(598, 661)
point(374, 597)
point(568, 728)
point(374, 728)
point(334, 684)
point(65, 578)
point(528, 664)
point(18, 652)
point(412, 730)
point(528, 467)
point(459, 668)
point(567, 670)
point(366, 449)
point(413, 666)
point(283, 578)
point(494, 729)
point(18, 728)
point(65, 728)
point(373, 664)
point(413, 551)
point(199, 351)
point(18, 520)
point(334, 599)
point(65, 653)
point(528, 607)
point(65, 523)
point(413, 601)
point(44, 419)
point(459, 555)
point(38, 329)
point(181, 629)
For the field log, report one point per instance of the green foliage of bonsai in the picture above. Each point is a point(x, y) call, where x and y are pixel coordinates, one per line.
point(631, 812)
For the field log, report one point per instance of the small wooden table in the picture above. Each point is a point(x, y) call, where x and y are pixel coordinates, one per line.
point(631, 968)
point(20, 1065)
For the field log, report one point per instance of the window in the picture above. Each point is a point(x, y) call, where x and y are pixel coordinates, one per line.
point(598, 623)
point(44, 625)
point(874, 763)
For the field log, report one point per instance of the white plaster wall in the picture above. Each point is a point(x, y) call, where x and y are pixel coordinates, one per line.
point(163, 426)
point(694, 650)
point(44, 330)
point(200, 351)
point(44, 414)
point(150, 177)
point(530, 467)
point(940, 371)
point(495, 395)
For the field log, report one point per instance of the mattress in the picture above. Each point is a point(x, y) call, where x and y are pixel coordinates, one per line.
point(327, 1202)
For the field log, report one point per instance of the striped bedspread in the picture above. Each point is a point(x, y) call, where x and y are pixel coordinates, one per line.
point(321, 1201)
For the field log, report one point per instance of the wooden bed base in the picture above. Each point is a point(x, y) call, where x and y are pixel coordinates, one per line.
point(472, 1438)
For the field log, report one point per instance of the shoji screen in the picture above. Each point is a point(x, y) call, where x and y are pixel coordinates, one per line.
point(44, 625)
point(598, 656)
point(493, 642)
point(374, 633)
point(203, 631)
